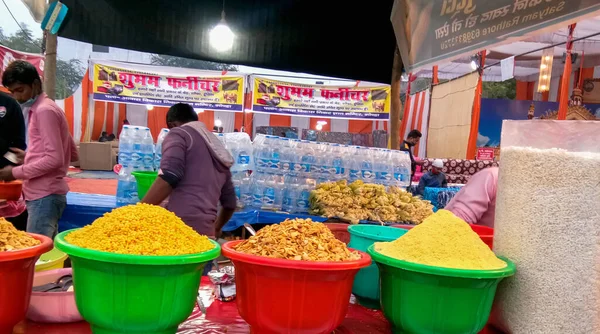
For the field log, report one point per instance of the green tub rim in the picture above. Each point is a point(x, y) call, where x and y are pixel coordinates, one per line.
point(96, 255)
point(508, 271)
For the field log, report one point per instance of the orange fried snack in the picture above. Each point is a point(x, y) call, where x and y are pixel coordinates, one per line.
point(297, 239)
point(13, 239)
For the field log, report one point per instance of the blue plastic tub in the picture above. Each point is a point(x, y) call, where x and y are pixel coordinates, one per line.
point(366, 282)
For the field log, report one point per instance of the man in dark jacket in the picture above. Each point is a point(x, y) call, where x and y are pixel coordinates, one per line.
point(12, 134)
point(12, 127)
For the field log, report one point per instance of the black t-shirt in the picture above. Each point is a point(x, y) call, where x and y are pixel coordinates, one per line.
point(12, 127)
point(406, 148)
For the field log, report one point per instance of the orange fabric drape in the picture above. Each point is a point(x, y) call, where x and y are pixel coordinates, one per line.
point(563, 103)
point(405, 119)
point(85, 89)
point(358, 126)
point(530, 90)
point(522, 90)
point(157, 119)
point(99, 115)
point(280, 120)
point(238, 122)
point(110, 117)
point(560, 80)
point(420, 119)
point(587, 73)
point(326, 127)
point(473, 133)
point(70, 113)
point(435, 79)
point(122, 117)
point(545, 95)
point(208, 118)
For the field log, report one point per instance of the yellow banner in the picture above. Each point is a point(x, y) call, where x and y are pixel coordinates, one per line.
point(131, 85)
point(287, 98)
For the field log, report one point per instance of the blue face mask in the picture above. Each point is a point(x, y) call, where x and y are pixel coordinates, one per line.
point(29, 102)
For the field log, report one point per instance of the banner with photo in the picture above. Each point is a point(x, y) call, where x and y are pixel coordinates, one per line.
point(8, 55)
point(144, 84)
point(288, 98)
point(428, 32)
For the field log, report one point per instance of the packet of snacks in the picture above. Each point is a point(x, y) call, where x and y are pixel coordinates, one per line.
point(224, 281)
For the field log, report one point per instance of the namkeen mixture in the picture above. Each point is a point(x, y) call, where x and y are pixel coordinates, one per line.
point(140, 229)
point(297, 239)
point(547, 221)
point(13, 239)
point(442, 240)
point(365, 201)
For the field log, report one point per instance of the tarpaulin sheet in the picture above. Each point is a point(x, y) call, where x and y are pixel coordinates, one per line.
point(223, 317)
point(83, 209)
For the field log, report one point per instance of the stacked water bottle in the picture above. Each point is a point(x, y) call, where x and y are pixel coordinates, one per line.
point(288, 169)
point(240, 147)
point(136, 153)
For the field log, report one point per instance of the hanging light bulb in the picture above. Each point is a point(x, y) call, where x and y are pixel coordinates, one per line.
point(319, 127)
point(198, 111)
point(218, 122)
point(221, 37)
point(474, 62)
point(149, 107)
point(545, 70)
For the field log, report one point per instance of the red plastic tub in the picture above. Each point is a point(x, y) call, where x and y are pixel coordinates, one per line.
point(16, 280)
point(277, 296)
point(485, 233)
point(340, 231)
point(11, 191)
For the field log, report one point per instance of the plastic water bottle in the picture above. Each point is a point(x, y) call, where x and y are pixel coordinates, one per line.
point(286, 155)
point(272, 196)
point(263, 151)
point(136, 156)
point(125, 145)
point(243, 155)
point(275, 151)
point(354, 163)
point(335, 163)
point(241, 185)
point(158, 149)
point(307, 159)
point(304, 189)
point(257, 189)
point(147, 147)
point(290, 194)
point(383, 167)
point(320, 167)
point(366, 165)
point(126, 187)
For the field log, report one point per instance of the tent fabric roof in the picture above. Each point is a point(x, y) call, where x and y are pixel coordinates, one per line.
point(527, 66)
point(333, 38)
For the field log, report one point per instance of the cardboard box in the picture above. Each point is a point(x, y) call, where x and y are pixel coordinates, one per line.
point(97, 156)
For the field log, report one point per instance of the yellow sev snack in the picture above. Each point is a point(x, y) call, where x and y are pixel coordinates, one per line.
point(442, 240)
point(140, 229)
point(297, 239)
point(13, 239)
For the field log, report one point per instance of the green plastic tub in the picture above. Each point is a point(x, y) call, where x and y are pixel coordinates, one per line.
point(425, 299)
point(135, 294)
point(366, 281)
point(144, 181)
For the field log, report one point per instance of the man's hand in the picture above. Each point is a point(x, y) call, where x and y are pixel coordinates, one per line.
point(218, 233)
point(6, 174)
point(19, 153)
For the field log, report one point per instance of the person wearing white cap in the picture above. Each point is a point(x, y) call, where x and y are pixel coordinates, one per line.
point(434, 178)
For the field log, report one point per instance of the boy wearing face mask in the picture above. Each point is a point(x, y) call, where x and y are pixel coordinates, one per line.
point(50, 150)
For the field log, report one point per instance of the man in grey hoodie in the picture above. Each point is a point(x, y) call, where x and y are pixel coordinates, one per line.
point(194, 174)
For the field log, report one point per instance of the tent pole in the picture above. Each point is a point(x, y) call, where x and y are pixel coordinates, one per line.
point(564, 88)
point(50, 63)
point(396, 104)
point(472, 145)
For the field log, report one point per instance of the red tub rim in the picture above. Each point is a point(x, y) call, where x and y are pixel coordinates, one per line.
point(229, 252)
point(34, 251)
